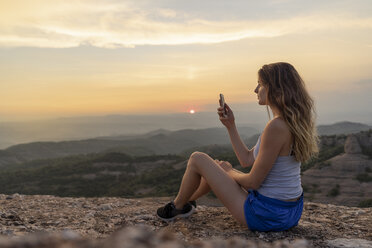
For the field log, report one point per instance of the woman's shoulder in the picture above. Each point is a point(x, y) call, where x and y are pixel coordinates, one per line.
point(276, 137)
point(278, 124)
point(278, 127)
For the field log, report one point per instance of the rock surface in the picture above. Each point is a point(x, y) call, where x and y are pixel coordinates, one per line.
point(336, 180)
point(352, 145)
point(350, 243)
point(99, 222)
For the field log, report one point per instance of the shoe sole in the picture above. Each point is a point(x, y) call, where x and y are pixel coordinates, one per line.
point(178, 216)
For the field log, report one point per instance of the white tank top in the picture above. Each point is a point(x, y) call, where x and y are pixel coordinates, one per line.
point(284, 180)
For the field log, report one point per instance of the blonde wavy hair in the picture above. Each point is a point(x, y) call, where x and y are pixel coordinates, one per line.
point(286, 91)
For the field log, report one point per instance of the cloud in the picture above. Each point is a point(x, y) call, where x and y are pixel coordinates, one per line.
point(120, 24)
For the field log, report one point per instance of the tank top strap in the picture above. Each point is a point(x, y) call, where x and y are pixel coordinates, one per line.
point(290, 150)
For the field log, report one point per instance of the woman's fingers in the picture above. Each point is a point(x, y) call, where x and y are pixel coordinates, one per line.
point(227, 106)
point(217, 161)
point(223, 119)
point(225, 166)
point(220, 113)
point(221, 163)
point(221, 110)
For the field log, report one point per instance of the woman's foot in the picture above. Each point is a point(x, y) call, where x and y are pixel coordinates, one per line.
point(169, 211)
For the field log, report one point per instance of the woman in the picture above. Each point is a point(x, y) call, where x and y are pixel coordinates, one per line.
point(269, 197)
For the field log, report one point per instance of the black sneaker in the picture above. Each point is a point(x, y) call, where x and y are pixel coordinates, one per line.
point(193, 203)
point(169, 211)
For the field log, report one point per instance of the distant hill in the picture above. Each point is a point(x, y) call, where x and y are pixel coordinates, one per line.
point(78, 128)
point(104, 174)
point(108, 174)
point(160, 141)
point(137, 136)
point(341, 174)
point(342, 128)
point(126, 126)
point(156, 142)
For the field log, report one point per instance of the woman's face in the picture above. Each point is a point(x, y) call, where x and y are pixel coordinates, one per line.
point(261, 93)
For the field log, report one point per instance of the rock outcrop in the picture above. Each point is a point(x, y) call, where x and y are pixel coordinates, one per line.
point(117, 222)
point(352, 145)
point(343, 179)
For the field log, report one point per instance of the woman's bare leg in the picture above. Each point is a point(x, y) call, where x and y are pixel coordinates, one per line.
point(202, 190)
point(225, 188)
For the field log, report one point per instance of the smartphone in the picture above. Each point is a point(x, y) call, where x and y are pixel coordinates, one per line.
point(222, 104)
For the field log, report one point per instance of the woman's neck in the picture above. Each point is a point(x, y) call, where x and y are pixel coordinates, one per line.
point(275, 111)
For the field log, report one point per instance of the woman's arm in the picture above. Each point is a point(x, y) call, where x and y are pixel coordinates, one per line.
point(272, 140)
point(244, 155)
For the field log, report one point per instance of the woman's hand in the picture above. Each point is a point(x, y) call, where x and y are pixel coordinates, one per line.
point(228, 120)
point(226, 166)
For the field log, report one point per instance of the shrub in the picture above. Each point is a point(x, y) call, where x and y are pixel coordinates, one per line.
point(324, 164)
point(315, 189)
point(311, 189)
point(365, 204)
point(335, 191)
point(324, 154)
point(367, 150)
point(363, 177)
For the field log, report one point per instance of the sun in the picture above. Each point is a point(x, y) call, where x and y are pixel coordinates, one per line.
point(192, 111)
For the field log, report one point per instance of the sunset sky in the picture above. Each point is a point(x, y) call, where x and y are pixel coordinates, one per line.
point(91, 57)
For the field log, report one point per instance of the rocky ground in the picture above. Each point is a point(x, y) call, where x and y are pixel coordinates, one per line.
point(90, 221)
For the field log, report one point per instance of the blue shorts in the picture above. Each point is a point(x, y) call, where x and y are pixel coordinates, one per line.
point(264, 214)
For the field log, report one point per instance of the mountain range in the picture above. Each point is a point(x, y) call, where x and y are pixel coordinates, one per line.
point(344, 127)
point(138, 165)
point(77, 128)
point(155, 142)
point(160, 141)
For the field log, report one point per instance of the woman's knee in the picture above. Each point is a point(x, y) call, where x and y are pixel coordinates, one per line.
point(197, 158)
